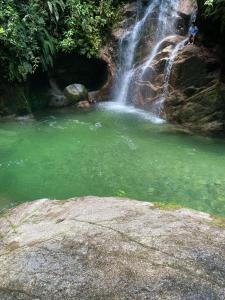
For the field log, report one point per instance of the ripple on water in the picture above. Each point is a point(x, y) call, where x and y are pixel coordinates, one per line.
point(106, 153)
point(129, 142)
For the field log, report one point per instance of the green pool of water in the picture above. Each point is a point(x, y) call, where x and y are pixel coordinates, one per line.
point(108, 153)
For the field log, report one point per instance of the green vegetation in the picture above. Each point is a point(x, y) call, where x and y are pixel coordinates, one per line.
point(33, 31)
point(218, 221)
point(215, 10)
point(168, 206)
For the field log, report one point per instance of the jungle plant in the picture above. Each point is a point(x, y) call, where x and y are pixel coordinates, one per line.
point(33, 31)
point(215, 9)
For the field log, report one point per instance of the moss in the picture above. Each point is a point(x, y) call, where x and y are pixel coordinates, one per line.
point(13, 226)
point(121, 193)
point(167, 206)
point(218, 221)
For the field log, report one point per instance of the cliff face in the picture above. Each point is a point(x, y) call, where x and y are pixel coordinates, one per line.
point(197, 95)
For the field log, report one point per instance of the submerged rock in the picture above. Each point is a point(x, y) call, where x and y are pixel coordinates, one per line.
point(84, 105)
point(75, 93)
point(109, 248)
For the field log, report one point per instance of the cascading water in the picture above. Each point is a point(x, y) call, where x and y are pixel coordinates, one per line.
point(166, 14)
point(165, 27)
point(161, 15)
point(151, 57)
point(169, 66)
point(167, 72)
point(128, 45)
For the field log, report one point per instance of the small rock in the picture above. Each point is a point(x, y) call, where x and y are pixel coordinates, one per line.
point(84, 104)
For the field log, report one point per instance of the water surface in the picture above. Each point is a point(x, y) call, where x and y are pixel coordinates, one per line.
point(109, 153)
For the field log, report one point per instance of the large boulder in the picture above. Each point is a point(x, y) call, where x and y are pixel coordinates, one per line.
point(204, 111)
point(194, 66)
point(108, 248)
point(196, 97)
point(75, 93)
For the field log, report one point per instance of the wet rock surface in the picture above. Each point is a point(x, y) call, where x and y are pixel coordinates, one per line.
point(197, 96)
point(109, 248)
point(109, 53)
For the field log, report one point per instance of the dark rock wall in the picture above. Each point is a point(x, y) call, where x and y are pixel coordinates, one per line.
point(14, 99)
point(196, 98)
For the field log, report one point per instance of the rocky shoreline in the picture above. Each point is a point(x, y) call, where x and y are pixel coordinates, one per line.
point(110, 248)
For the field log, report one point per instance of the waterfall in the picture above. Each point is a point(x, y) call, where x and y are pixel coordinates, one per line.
point(165, 26)
point(128, 45)
point(132, 81)
point(151, 57)
point(169, 66)
point(167, 72)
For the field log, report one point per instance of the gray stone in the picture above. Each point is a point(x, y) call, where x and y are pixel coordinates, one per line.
point(75, 93)
point(109, 248)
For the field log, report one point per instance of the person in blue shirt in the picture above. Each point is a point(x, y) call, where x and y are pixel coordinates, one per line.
point(192, 32)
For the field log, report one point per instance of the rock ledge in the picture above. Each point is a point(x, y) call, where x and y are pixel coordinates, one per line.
point(109, 248)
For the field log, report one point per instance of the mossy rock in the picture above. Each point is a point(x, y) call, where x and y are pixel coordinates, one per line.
point(76, 93)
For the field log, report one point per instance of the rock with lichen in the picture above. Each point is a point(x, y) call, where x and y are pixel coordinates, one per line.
point(110, 248)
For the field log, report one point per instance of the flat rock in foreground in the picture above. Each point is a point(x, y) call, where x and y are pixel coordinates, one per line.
point(108, 248)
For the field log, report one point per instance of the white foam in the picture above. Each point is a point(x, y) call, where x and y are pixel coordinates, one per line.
point(129, 109)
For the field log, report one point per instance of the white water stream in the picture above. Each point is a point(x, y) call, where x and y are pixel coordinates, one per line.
point(163, 13)
point(169, 65)
point(127, 50)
